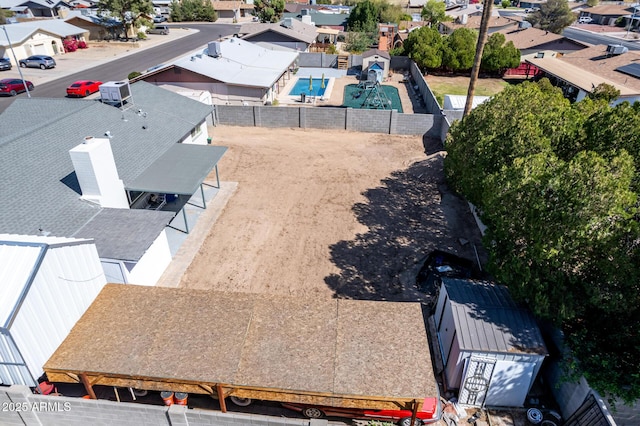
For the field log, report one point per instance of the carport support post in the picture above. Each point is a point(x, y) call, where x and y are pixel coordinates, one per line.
point(204, 200)
point(223, 404)
point(87, 385)
point(414, 412)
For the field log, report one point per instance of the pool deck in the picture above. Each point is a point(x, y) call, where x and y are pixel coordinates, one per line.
point(334, 95)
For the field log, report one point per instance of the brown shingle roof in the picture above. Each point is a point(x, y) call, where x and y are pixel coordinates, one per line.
point(609, 9)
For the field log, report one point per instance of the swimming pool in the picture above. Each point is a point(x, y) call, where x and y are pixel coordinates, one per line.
point(302, 86)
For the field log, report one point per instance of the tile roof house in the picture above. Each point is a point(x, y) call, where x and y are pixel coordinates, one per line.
point(232, 9)
point(289, 33)
point(578, 73)
point(233, 70)
point(607, 14)
point(79, 170)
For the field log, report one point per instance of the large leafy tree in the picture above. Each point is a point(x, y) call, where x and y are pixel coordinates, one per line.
point(554, 16)
point(433, 12)
point(364, 17)
point(557, 185)
point(498, 55)
point(130, 12)
point(193, 10)
point(268, 10)
point(424, 46)
point(459, 49)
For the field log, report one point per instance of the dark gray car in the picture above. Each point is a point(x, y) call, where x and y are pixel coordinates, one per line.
point(5, 64)
point(38, 61)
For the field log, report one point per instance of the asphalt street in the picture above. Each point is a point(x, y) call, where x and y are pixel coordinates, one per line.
point(119, 68)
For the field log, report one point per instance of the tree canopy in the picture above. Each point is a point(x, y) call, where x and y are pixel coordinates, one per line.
point(554, 16)
point(364, 17)
point(433, 12)
point(424, 46)
point(193, 10)
point(499, 55)
point(459, 49)
point(130, 12)
point(557, 185)
point(268, 10)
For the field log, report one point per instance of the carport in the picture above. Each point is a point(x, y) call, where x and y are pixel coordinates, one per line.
point(336, 352)
point(181, 170)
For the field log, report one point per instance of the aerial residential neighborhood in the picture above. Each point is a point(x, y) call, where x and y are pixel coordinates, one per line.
point(258, 212)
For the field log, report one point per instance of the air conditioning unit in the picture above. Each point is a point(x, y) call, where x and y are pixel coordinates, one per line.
point(213, 49)
point(115, 91)
point(616, 49)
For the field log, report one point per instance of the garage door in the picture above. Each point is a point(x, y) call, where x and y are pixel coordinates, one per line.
point(510, 384)
point(39, 49)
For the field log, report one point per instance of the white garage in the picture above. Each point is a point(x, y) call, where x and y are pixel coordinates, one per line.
point(492, 349)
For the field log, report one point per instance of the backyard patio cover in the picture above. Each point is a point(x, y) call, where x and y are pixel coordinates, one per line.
point(180, 170)
point(271, 347)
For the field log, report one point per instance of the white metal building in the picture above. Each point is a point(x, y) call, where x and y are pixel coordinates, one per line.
point(49, 284)
point(492, 349)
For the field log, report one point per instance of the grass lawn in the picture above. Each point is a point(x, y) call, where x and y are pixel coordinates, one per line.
point(459, 85)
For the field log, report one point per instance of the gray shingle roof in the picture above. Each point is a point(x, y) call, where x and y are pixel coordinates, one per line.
point(124, 234)
point(42, 189)
point(487, 319)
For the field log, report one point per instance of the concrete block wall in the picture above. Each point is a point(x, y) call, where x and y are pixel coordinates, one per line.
point(432, 105)
point(323, 118)
point(19, 406)
point(359, 120)
point(276, 117)
point(317, 60)
point(373, 121)
point(400, 63)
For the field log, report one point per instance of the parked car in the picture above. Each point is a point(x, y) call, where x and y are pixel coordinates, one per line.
point(585, 20)
point(13, 86)
point(531, 10)
point(159, 29)
point(38, 61)
point(5, 64)
point(83, 88)
point(430, 413)
point(159, 19)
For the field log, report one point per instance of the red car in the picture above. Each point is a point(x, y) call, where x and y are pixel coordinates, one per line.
point(430, 413)
point(83, 88)
point(13, 86)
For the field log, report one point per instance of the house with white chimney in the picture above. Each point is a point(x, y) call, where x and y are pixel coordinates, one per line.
point(116, 172)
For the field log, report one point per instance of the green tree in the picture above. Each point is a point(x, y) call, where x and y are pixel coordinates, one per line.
point(605, 92)
point(323, 1)
point(268, 10)
point(498, 56)
point(433, 12)
point(364, 17)
point(193, 10)
point(557, 185)
point(592, 3)
point(129, 12)
point(3, 20)
point(424, 46)
point(553, 16)
point(358, 41)
point(459, 49)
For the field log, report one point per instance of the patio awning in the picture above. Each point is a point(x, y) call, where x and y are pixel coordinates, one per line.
point(180, 170)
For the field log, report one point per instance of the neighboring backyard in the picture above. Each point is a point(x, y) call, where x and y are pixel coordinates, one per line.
point(330, 214)
point(441, 86)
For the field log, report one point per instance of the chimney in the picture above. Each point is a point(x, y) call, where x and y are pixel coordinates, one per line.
point(97, 174)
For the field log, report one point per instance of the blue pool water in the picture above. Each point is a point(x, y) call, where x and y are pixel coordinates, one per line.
point(302, 86)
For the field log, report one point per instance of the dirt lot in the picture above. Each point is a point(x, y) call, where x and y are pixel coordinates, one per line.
point(329, 214)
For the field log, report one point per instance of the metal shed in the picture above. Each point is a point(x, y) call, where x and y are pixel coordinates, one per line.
point(492, 349)
point(343, 353)
point(46, 285)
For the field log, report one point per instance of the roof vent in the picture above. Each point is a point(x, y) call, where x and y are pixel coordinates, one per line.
point(213, 49)
point(616, 49)
point(287, 23)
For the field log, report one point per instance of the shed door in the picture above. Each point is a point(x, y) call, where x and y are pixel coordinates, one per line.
point(475, 383)
point(510, 383)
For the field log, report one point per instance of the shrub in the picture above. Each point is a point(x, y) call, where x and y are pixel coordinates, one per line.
point(133, 75)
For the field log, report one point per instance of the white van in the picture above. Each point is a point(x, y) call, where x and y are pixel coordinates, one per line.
point(159, 29)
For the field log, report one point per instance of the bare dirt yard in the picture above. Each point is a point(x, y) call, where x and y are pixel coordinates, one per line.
point(330, 214)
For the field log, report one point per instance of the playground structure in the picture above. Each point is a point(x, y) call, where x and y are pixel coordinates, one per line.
point(373, 97)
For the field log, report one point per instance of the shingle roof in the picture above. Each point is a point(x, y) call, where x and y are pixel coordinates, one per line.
point(376, 52)
point(298, 31)
point(124, 234)
point(43, 189)
point(529, 38)
point(487, 319)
